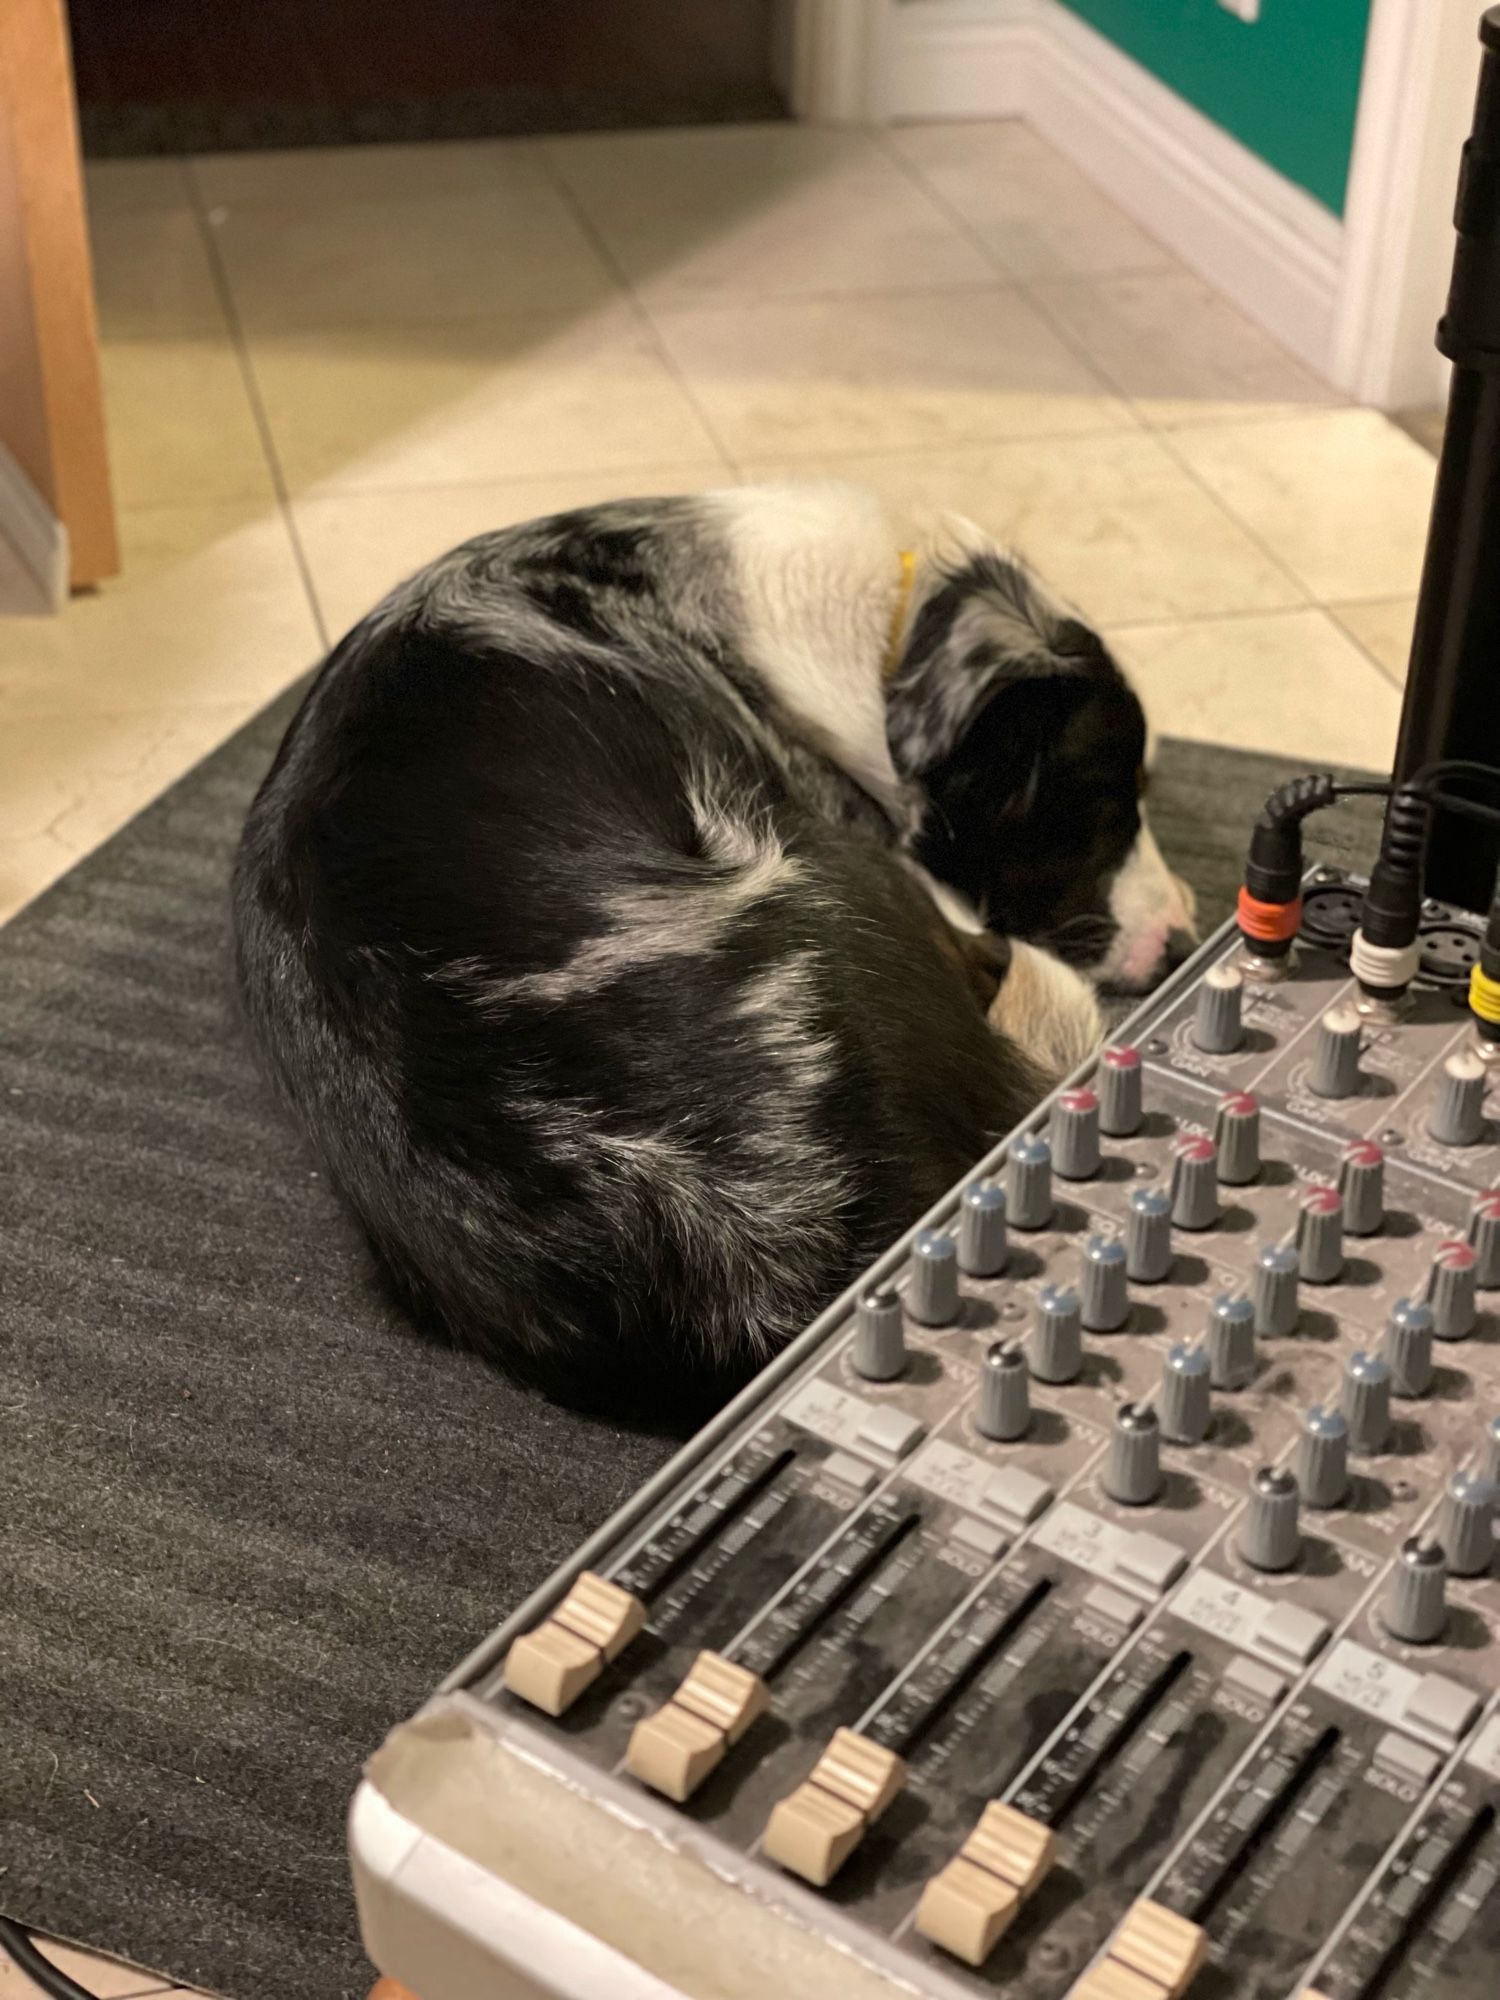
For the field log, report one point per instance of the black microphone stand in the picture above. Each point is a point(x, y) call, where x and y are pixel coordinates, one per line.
point(1452, 704)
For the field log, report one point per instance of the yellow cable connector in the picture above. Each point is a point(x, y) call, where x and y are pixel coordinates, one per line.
point(1484, 996)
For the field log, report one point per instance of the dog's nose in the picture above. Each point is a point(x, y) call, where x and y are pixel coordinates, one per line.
point(1180, 947)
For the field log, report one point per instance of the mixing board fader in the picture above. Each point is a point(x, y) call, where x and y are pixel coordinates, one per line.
point(1097, 1605)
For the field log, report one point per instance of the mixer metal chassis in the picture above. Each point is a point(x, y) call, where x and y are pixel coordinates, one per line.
point(1253, 1751)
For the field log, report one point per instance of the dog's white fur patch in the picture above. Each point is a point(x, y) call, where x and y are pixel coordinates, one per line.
point(1148, 902)
point(681, 916)
point(1047, 1009)
point(818, 572)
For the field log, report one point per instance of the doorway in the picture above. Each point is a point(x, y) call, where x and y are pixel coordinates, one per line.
point(179, 76)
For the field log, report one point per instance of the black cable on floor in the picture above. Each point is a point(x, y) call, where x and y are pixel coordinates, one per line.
point(51, 1978)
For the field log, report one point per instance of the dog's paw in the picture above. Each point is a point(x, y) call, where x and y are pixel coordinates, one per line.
point(1048, 1010)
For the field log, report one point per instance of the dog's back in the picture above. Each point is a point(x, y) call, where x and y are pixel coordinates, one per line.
point(619, 1024)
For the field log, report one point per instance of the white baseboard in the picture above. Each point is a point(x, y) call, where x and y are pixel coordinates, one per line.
point(33, 531)
point(1266, 244)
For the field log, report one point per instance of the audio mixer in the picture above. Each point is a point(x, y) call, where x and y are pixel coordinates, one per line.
point(1098, 1603)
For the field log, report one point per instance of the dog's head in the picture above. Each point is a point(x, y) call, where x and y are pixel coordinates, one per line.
point(1030, 747)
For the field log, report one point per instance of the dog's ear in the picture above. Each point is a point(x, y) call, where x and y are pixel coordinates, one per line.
point(983, 628)
point(995, 761)
point(1023, 736)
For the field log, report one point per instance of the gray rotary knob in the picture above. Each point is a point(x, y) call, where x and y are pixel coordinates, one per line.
point(1335, 1065)
point(1132, 1470)
point(983, 1245)
point(1237, 1129)
point(1183, 1404)
point(1466, 1526)
point(1104, 1294)
point(1408, 1348)
point(1269, 1535)
point(1055, 1350)
point(1320, 1236)
point(932, 1295)
point(1366, 1402)
point(1362, 1185)
point(1004, 1393)
point(1457, 1117)
point(1074, 1132)
point(1231, 1341)
point(1273, 1291)
point(1416, 1596)
point(1450, 1291)
point(1217, 1026)
point(1489, 1453)
point(1148, 1235)
point(879, 1343)
point(1323, 1457)
point(1119, 1080)
point(1484, 1238)
point(1195, 1181)
point(1028, 1198)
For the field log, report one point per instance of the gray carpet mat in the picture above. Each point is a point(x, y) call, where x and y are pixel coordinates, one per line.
point(249, 1519)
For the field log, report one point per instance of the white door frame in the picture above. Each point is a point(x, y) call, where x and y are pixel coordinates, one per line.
point(833, 58)
point(1395, 246)
point(1415, 106)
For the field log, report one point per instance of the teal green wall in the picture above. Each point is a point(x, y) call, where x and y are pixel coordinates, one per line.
point(1286, 86)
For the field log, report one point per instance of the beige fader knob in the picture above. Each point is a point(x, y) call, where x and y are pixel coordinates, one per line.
point(1154, 1955)
point(815, 1829)
point(968, 1906)
point(595, 1622)
point(674, 1750)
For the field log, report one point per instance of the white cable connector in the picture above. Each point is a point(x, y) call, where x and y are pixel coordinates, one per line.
point(1386, 968)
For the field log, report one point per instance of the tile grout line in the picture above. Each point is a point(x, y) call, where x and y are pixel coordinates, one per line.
point(1026, 286)
point(716, 300)
point(1165, 442)
point(719, 299)
point(1354, 639)
point(1330, 611)
point(791, 458)
point(1165, 438)
point(941, 203)
point(637, 307)
point(1240, 615)
point(1111, 382)
point(1337, 605)
point(1162, 435)
point(1313, 601)
point(1019, 281)
point(258, 411)
point(993, 258)
point(1001, 280)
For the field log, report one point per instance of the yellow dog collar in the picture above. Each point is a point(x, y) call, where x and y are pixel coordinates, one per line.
point(898, 616)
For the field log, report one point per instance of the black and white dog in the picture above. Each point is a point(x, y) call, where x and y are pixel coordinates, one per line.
point(623, 910)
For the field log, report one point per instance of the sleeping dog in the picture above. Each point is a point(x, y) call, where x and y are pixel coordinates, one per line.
point(653, 909)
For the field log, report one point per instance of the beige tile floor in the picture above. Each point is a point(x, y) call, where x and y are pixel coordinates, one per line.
point(107, 1977)
point(324, 368)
